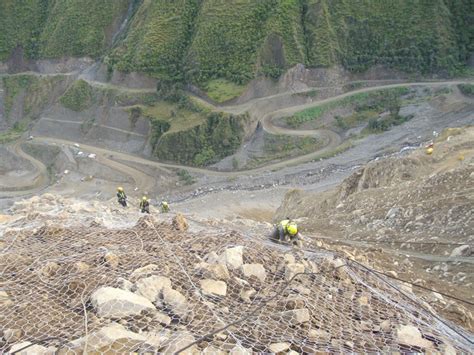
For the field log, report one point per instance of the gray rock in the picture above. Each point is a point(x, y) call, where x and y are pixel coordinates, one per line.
point(115, 302)
point(393, 213)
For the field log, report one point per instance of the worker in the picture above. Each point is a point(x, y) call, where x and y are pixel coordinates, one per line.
point(165, 208)
point(145, 205)
point(287, 231)
point(122, 198)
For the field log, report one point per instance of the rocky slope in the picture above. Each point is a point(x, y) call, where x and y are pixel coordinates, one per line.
point(94, 280)
point(417, 205)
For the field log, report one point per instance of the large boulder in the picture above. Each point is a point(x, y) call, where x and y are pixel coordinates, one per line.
point(175, 301)
point(31, 349)
point(232, 257)
point(104, 339)
point(411, 336)
point(115, 302)
point(255, 270)
point(213, 288)
point(152, 286)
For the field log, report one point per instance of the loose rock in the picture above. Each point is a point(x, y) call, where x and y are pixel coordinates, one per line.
point(213, 288)
point(5, 300)
point(175, 301)
point(292, 269)
point(152, 286)
point(278, 347)
point(256, 270)
point(115, 302)
point(296, 316)
point(232, 257)
point(410, 335)
point(179, 223)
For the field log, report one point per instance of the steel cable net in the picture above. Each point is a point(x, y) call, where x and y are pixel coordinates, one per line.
point(154, 288)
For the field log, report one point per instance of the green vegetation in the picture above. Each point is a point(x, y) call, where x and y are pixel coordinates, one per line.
point(57, 28)
point(186, 177)
point(378, 100)
point(78, 97)
point(221, 90)
point(36, 93)
point(467, 89)
point(13, 133)
point(217, 137)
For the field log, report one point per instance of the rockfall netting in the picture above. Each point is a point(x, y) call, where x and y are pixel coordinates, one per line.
point(157, 287)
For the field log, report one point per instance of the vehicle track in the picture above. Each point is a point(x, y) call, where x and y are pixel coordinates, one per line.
point(109, 157)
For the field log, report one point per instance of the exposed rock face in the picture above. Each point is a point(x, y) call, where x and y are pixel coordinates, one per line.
point(213, 288)
point(115, 302)
point(256, 270)
point(152, 286)
point(233, 257)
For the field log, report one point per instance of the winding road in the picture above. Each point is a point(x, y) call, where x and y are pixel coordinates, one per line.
point(39, 179)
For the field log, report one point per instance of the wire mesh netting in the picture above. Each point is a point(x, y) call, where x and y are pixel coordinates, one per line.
point(158, 288)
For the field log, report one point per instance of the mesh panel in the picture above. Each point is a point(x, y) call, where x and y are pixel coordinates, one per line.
point(154, 288)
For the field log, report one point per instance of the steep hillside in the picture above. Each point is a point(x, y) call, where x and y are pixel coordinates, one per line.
point(197, 41)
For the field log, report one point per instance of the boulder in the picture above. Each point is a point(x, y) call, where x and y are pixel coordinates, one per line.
point(212, 258)
point(296, 316)
point(177, 341)
point(214, 271)
point(115, 302)
point(278, 347)
point(143, 271)
point(31, 350)
point(463, 250)
point(411, 336)
point(292, 269)
point(105, 338)
point(5, 300)
point(213, 288)
point(319, 335)
point(152, 286)
point(246, 294)
point(232, 257)
point(175, 301)
point(179, 223)
point(255, 270)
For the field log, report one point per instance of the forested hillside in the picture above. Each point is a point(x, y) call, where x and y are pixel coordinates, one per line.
point(202, 40)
